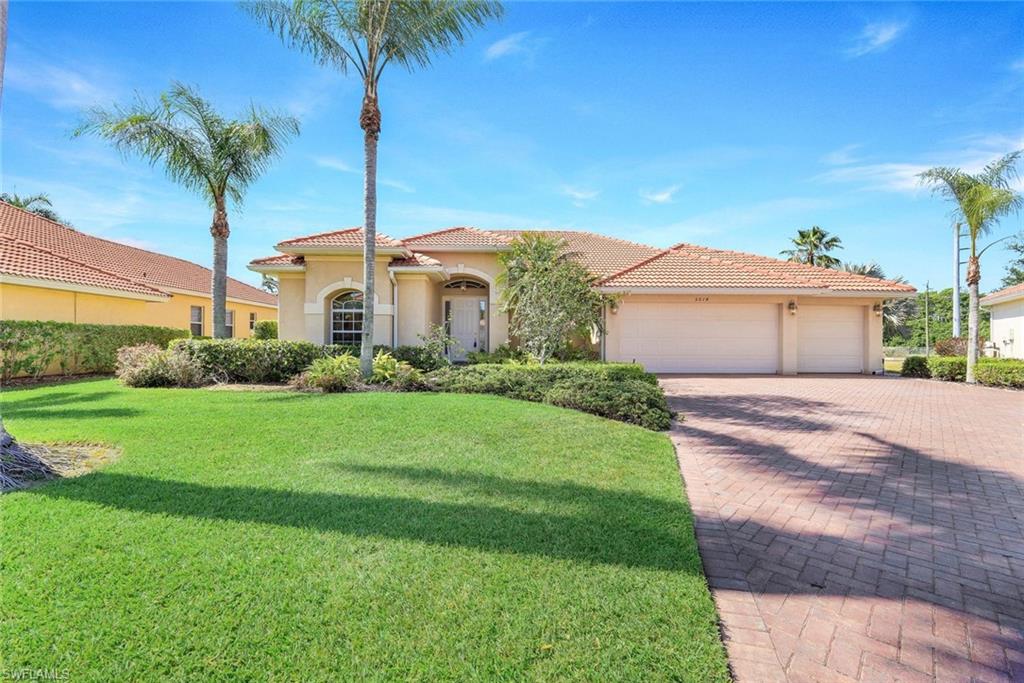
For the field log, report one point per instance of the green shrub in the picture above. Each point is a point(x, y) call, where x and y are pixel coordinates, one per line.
point(265, 329)
point(502, 354)
point(30, 347)
point(535, 382)
point(147, 365)
point(394, 373)
point(351, 349)
point(948, 368)
point(331, 374)
point(1000, 372)
point(915, 366)
point(630, 400)
point(251, 360)
point(420, 357)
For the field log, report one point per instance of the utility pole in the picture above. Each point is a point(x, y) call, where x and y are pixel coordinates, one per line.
point(956, 279)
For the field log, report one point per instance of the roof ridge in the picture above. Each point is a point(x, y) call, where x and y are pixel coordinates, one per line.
point(319, 234)
point(87, 266)
point(746, 267)
point(453, 228)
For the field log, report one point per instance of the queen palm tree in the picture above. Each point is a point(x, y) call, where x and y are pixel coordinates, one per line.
point(215, 157)
point(895, 312)
point(812, 247)
point(367, 35)
point(981, 199)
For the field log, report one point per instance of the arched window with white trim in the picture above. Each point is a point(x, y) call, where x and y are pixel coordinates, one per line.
point(347, 318)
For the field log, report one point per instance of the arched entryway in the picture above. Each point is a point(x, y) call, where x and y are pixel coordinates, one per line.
point(465, 303)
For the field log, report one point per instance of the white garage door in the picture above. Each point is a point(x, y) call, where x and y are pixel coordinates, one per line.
point(676, 337)
point(830, 339)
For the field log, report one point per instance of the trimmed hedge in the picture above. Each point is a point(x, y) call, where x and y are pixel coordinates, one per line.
point(31, 347)
point(948, 368)
point(255, 361)
point(265, 329)
point(1000, 372)
point(619, 391)
point(915, 366)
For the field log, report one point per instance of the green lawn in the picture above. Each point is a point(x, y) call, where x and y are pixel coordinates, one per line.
point(376, 536)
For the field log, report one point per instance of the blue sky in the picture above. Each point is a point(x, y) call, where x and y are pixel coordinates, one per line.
point(729, 125)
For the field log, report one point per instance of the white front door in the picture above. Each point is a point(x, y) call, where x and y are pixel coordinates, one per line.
point(468, 325)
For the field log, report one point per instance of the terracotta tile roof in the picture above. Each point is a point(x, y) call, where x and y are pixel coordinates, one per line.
point(457, 237)
point(696, 267)
point(601, 254)
point(1005, 294)
point(279, 260)
point(21, 259)
point(416, 260)
point(347, 238)
point(154, 270)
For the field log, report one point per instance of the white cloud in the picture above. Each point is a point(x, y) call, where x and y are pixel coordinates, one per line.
point(61, 87)
point(842, 156)
point(970, 153)
point(579, 196)
point(517, 43)
point(735, 217)
point(334, 163)
point(660, 196)
point(397, 184)
point(876, 37)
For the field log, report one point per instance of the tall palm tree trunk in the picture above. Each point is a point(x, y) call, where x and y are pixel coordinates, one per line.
point(973, 278)
point(369, 121)
point(220, 231)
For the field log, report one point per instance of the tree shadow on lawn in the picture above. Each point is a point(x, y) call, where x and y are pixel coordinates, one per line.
point(51, 400)
point(612, 527)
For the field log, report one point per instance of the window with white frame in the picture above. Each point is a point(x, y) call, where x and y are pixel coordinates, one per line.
point(347, 318)
point(229, 323)
point(252, 322)
point(196, 320)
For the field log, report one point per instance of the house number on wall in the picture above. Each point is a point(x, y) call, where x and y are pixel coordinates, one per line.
point(702, 299)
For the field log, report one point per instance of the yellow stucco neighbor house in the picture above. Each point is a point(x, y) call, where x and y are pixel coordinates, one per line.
point(683, 309)
point(49, 271)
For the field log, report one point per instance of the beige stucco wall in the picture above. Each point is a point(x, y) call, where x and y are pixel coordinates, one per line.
point(788, 328)
point(1008, 328)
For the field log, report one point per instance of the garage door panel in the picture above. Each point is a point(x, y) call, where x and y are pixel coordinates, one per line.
point(675, 337)
point(830, 339)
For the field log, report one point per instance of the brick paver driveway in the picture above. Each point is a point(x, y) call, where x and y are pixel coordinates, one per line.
point(859, 528)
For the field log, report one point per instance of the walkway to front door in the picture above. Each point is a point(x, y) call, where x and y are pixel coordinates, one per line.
point(859, 528)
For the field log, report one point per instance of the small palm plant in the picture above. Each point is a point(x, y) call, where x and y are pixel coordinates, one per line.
point(367, 35)
point(981, 200)
point(215, 157)
point(811, 246)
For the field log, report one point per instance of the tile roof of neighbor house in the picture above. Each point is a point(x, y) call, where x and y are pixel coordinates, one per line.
point(21, 259)
point(692, 266)
point(154, 270)
point(1011, 293)
point(349, 237)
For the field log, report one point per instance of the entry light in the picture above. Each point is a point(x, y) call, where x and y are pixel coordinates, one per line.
point(791, 307)
point(877, 308)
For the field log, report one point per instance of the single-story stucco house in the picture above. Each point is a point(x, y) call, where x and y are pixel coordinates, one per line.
point(1006, 308)
point(682, 309)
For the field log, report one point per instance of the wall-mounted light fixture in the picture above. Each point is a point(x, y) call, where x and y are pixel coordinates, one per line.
point(791, 308)
point(877, 309)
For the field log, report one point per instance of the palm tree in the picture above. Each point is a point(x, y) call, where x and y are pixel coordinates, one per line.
point(895, 312)
point(981, 200)
point(39, 204)
point(215, 157)
point(367, 35)
point(812, 247)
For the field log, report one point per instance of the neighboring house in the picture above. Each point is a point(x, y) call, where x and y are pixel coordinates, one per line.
point(49, 271)
point(682, 309)
point(1006, 308)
